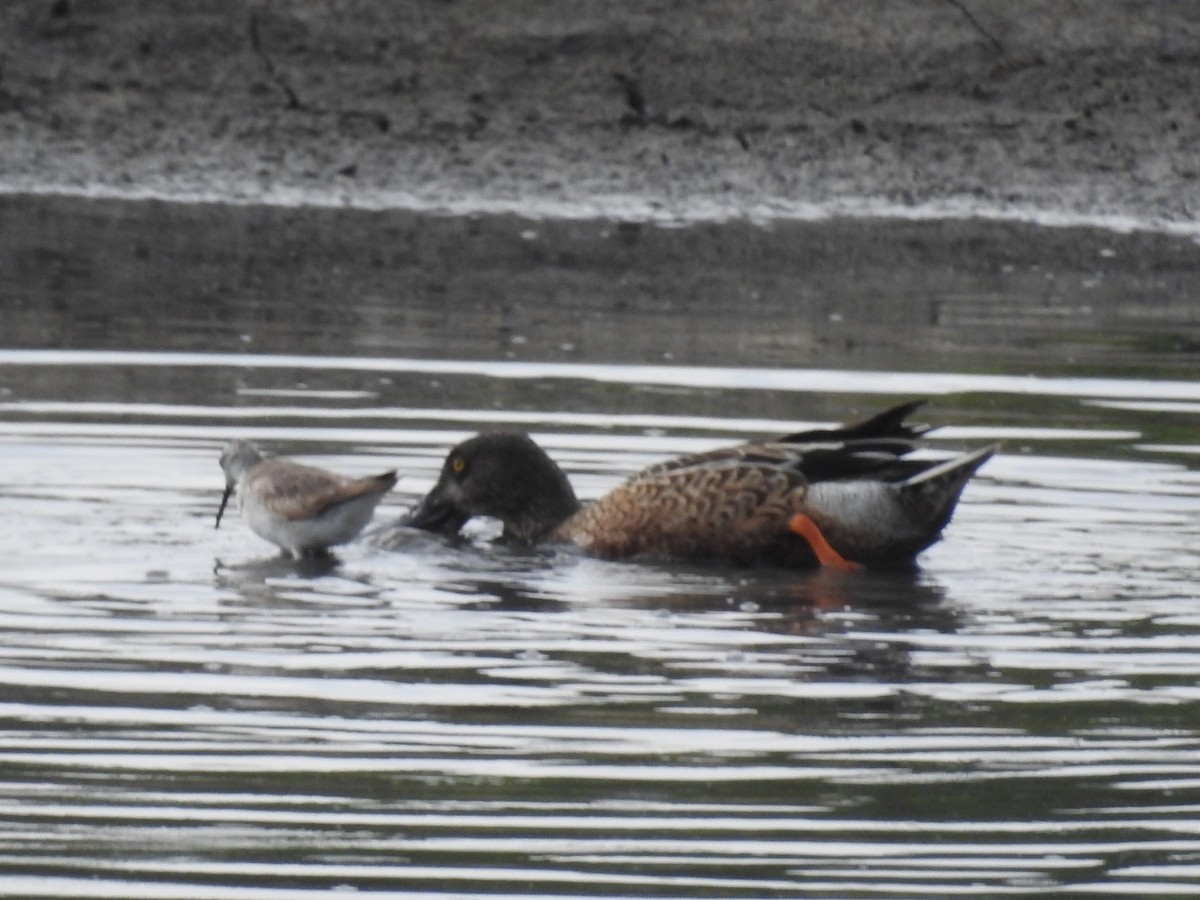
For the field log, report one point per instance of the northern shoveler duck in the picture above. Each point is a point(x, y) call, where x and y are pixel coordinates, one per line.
point(843, 497)
point(301, 509)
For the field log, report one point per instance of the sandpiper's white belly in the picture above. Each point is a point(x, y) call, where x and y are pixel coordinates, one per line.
point(337, 525)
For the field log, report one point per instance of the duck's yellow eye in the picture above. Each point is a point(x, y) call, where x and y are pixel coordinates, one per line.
point(458, 465)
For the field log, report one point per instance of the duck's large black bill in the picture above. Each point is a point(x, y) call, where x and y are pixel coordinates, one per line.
point(436, 513)
point(224, 501)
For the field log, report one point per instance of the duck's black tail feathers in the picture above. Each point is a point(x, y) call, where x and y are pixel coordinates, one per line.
point(934, 493)
point(887, 424)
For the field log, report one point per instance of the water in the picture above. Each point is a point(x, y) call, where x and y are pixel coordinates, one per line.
point(186, 715)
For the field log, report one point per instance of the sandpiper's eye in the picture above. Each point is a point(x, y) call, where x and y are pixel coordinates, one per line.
point(458, 465)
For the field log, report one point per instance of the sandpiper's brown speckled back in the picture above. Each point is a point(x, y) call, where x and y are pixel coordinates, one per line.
point(295, 491)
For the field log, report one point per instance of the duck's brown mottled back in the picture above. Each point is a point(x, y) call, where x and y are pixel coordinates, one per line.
point(730, 511)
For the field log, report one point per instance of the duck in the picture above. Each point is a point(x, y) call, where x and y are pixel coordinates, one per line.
point(301, 509)
point(843, 498)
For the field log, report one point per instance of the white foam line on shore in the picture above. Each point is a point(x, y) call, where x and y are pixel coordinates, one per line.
point(916, 384)
point(260, 414)
point(625, 207)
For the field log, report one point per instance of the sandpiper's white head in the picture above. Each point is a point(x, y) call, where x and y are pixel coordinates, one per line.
point(238, 458)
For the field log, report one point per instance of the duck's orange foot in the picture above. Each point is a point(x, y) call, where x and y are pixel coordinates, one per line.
point(826, 555)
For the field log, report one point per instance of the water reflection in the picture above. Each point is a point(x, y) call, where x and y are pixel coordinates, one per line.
point(187, 714)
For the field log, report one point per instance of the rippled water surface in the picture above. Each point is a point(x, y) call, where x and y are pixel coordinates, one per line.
point(185, 714)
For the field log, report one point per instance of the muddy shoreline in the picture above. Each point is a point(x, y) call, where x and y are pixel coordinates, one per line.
point(725, 108)
point(398, 178)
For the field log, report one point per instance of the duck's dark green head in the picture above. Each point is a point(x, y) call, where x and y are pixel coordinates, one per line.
point(501, 475)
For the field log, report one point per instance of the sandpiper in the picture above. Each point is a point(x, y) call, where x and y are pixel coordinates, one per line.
point(301, 509)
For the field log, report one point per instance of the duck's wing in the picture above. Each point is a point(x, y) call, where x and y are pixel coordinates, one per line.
point(826, 453)
point(815, 461)
point(858, 461)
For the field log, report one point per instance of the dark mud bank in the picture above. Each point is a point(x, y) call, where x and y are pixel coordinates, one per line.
point(967, 295)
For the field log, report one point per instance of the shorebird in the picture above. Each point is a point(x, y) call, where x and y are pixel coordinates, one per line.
point(844, 497)
point(301, 509)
